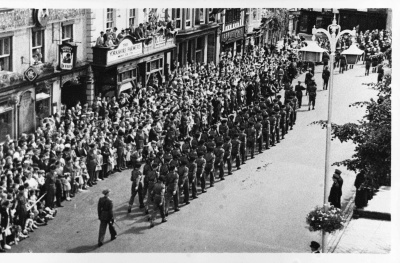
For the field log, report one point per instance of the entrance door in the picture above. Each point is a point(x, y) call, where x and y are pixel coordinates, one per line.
point(71, 93)
point(199, 56)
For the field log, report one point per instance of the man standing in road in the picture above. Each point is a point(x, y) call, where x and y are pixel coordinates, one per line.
point(137, 187)
point(158, 201)
point(312, 93)
point(336, 189)
point(106, 217)
point(325, 76)
point(299, 93)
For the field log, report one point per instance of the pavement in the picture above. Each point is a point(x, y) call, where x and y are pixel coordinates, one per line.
point(260, 208)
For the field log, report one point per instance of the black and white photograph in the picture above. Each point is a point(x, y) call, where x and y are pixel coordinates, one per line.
point(198, 133)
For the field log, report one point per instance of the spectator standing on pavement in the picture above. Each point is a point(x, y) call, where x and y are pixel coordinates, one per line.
point(325, 76)
point(314, 247)
point(106, 217)
point(336, 189)
point(368, 62)
point(342, 63)
point(299, 93)
point(312, 93)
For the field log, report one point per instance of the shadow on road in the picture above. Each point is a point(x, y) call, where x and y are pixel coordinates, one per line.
point(83, 249)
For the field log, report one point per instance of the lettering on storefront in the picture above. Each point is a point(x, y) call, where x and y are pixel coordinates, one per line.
point(124, 50)
point(232, 35)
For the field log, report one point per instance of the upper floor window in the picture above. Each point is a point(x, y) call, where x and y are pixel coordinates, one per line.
point(5, 54)
point(177, 17)
point(188, 17)
point(232, 15)
point(132, 15)
point(110, 18)
point(38, 46)
point(67, 33)
point(200, 16)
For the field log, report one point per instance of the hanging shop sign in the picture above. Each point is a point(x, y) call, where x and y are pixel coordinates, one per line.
point(67, 56)
point(233, 35)
point(124, 50)
point(31, 74)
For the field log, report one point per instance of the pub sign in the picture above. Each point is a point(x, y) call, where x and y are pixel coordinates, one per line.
point(67, 56)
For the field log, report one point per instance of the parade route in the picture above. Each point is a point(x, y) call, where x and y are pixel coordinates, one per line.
point(260, 208)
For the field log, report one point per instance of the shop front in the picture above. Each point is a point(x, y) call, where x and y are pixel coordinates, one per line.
point(131, 64)
point(198, 46)
point(233, 41)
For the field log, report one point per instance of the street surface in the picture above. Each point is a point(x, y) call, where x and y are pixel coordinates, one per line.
point(260, 208)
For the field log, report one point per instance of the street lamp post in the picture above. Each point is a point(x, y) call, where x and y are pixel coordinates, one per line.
point(333, 38)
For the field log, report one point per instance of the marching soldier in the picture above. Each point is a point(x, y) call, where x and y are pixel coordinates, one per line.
point(223, 128)
point(219, 153)
point(192, 174)
point(137, 187)
point(183, 172)
point(259, 137)
point(227, 154)
point(150, 180)
point(209, 168)
point(251, 138)
point(158, 201)
point(236, 146)
point(272, 125)
point(201, 164)
point(283, 121)
point(171, 183)
point(243, 143)
point(147, 167)
point(265, 130)
point(278, 125)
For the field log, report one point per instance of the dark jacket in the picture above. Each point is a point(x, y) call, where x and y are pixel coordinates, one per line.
point(105, 209)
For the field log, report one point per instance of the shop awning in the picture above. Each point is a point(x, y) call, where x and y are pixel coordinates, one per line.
point(126, 86)
point(5, 108)
point(312, 46)
point(353, 50)
point(42, 96)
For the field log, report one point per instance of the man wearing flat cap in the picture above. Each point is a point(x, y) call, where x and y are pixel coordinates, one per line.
point(106, 217)
point(336, 189)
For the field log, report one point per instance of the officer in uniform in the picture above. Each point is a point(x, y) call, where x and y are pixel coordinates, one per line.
point(227, 155)
point(192, 174)
point(150, 180)
point(219, 153)
point(259, 138)
point(171, 183)
point(183, 172)
point(106, 217)
point(158, 201)
point(243, 143)
point(251, 138)
point(236, 146)
point(137, 187)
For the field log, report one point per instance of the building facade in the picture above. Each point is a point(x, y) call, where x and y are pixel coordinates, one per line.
point(142, 57)
point(42, 59)
point(197, 38)
point(254, 37)
point(233, 30)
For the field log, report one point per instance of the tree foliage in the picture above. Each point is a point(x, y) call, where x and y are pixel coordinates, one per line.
point(371, 135)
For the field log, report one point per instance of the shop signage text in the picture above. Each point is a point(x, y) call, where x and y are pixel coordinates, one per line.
point(67, 56)
point(232, 35)
point(125, 49)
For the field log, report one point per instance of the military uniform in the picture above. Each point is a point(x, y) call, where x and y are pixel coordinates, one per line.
point(137, 188)
point(283, 122)
point(183, 171)
point(272, 125)
point(259, 138)
point(243, 150)
point(219, 153)
point(209, 169)
point(236, 145)
point(171, 183)
point(201, 164)
point(158, 202)
point(192, 177)
point(227, 155)
point(106, 217)
point(150, 180)
point(251, 139)
point(277, 126)
point(265, 131)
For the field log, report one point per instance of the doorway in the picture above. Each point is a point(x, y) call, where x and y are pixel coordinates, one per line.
point(72, 92)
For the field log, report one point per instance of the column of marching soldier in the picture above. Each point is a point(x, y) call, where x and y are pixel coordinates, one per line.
point(176, 171)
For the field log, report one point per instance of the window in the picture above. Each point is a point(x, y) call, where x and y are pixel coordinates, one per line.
point(5, 54)
point(176, 15)
point(199, 18)
point(38, 46)
point(155, 65)
point(127, 75)
point(188, 17)
point(110, 18)
point(232, 15)
point(132, 14)
point(67, 33)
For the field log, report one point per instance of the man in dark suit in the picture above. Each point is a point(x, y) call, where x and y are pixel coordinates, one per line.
point(336, 189)
point(106, 217)
point(314, 247)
